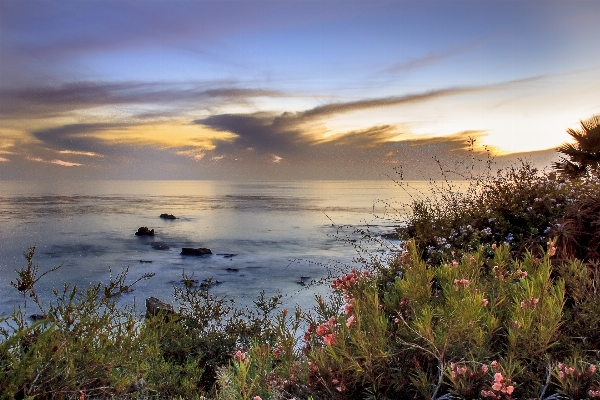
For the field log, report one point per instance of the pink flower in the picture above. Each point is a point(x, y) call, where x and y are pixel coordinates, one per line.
point(348, 308)
point(256, 398)
point(461, 283)
point(498, 377)
point(484, 369)
point(329, 339)
point(240, 357)
point(485, 302)
point(350, 321)
point(531, 303)
point(592, 368)
point(493, 246)
point(494, 364)
point(510, 389)
point(322, 330)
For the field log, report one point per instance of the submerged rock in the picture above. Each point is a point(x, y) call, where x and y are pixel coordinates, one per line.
point(144, 231)
point(160, 246)
point(167, 216)
point(189, 251)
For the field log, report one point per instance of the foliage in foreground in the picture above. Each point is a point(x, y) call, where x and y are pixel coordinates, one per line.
point(461, 311)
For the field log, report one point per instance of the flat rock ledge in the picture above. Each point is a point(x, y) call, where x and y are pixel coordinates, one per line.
point(167, 216)
point(200, 251)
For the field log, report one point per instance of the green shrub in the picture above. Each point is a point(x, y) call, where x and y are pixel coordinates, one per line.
point(518, 206)
point(493, 294)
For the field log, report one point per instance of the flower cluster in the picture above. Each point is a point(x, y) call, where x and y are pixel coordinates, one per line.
point(461, 283)
point(240, 357)
point(520, 274)
point(501, 388)
point(460, 370)
point(466, 381)
point(503, 275)
point(348, 280)
point(326, 331)
point(567, 372)
point(344, 284)
point(530, 303)
point(576, 381)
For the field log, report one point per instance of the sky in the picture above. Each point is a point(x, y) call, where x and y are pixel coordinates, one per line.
point(288, 89)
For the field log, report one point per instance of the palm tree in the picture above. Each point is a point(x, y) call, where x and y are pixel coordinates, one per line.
point(584, 154)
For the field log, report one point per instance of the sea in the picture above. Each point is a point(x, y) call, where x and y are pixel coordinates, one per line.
point(276, 237)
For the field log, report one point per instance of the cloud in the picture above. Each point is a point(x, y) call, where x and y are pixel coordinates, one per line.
point(108, 138)
point(374, 136)
point(75, 136)
point(83, 153)
point(65, 163)
point(435, 57)
point(193, 153)
point(57, 162)
point(293, 132)
point(2, 159)
point(42, 101)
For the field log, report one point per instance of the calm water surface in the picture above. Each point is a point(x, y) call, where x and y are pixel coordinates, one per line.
point(277, 232)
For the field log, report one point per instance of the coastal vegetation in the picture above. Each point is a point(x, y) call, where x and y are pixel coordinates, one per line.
point(492, 292)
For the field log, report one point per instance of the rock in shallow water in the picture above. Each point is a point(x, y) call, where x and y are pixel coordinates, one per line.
point(144, 231)
point(201, 251)
point(155, 306)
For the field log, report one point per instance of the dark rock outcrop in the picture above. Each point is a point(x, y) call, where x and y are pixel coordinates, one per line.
point(167, 216)
point(144, 231)
point(189, 251)
point(155, 307)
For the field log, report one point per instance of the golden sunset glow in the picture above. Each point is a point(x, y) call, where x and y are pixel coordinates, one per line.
point(201, 85)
